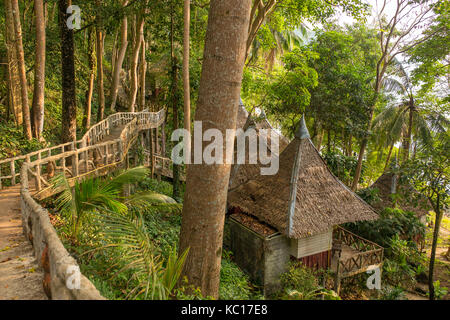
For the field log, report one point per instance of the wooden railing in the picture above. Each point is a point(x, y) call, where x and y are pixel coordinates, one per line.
point(369, 253)
point(10, 168)
point(76, 163)
point(162, 165)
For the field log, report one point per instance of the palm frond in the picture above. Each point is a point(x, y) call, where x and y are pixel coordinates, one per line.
point(422, 129)
point(127, 177)
point(393, 85)
point(149, 200)
point(65, 200)
point(174, 267)
point(129, 233)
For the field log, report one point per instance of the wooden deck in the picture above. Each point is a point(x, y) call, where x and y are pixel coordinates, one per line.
point(353, 254)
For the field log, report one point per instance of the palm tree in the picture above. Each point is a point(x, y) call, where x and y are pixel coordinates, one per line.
point(401, 119)
point(122, 226)
point(285, 41)
point(91, 194)
point(397, 121)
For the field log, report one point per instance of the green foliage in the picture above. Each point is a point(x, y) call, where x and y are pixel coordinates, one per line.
point(439, 291)
point(300, 283)
point(13, 143)
point(403, 263)
point(92, 193)
point(299, 278)
point(392, 293)
point(342, 166)
point(234, 283)
point(157, 186)
point(369, 195)
point(284, 92)
point(391, 223)
point(155, 278)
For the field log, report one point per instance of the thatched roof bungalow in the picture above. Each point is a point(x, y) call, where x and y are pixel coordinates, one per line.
point(304, 198)
point(293, 212)
point(409, 200)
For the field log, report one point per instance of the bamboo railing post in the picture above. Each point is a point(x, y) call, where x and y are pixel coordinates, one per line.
point(38, 172)
point(86, 160)
point(13, 172)
point(75, 168)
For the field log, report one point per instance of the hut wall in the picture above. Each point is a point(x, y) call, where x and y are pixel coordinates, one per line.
point(316, 261)
point(248, 250)
point(312, 245)
point(276, 260)
point(264, 259)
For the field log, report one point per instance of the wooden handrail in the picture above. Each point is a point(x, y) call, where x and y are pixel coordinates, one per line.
point(90, 138)
point(360, 261)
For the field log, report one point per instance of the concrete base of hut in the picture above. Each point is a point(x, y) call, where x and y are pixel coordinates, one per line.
point(263, 258)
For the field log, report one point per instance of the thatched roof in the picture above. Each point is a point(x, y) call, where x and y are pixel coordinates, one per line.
point(304, 198)
point(241, 173)
point(410, 199)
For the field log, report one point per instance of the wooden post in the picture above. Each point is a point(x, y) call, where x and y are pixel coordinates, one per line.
point(153, 166)
point(13, 172)
point(157, 141)
point(38, 172)
point(74, 162)
point(86, 158)
point(337, 249)
point(152, 153)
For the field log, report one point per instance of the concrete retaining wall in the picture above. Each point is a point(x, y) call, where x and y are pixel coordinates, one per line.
point(61, 279)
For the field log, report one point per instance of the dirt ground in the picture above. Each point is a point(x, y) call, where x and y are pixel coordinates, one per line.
point(442, 267)
point(20, 275)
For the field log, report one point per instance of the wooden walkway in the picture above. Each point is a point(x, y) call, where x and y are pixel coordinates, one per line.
point(103, 148)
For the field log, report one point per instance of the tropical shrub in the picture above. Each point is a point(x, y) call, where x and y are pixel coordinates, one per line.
point(392, 222)
point(153, 276)
point(234, 283)
point(342, 166)
point(392, 293)
point(369, 195)
point(439, 291)
point(300, 283)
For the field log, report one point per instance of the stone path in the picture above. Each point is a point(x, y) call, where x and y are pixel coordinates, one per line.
point(20, 274)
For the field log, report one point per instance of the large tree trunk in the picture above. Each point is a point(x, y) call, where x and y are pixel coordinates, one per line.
point(437, 227)
point(69, 106)
point(138, 37)
point(100, 80)
point(206, 186)
point(119, 60)
point(90, 90)
point(14, 97)
point(186, 84)
point(39, 73)
point(22, 70)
